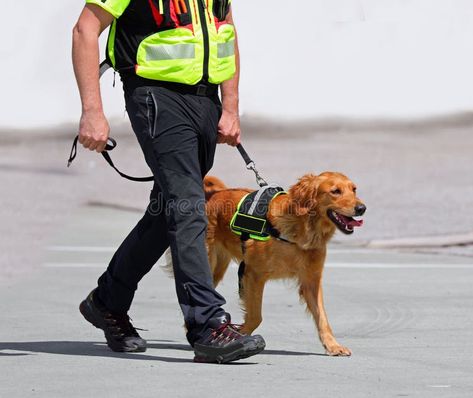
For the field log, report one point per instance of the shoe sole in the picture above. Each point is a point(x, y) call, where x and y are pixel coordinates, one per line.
point(89, 316)
point(236, 355)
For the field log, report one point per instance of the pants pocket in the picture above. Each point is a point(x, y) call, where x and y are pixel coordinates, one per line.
point(152, 114)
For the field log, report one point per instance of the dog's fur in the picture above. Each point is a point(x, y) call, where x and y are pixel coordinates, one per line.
point(302, 217)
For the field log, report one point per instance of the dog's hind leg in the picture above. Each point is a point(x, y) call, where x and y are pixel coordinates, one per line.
point(252, 300)
point(310, 290)
point(219, 260)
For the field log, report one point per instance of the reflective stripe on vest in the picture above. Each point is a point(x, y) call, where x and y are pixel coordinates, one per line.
point(226, 49)
point(170, 51)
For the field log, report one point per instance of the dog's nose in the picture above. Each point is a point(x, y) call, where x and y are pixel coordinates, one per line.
point(360, 209)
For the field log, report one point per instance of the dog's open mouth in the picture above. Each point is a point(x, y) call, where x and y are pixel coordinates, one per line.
point(345, 224)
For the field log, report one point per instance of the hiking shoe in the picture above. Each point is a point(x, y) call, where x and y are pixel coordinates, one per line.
point(224, 343)
point(120, 334)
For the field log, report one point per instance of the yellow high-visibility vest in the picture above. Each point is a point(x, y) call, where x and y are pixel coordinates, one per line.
point(181, 41)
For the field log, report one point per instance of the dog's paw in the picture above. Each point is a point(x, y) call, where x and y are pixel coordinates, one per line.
point(337, 350)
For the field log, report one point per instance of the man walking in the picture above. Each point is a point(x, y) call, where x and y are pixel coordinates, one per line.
point(172, 55)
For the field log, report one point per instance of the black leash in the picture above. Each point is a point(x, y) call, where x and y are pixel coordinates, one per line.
point(111, 144)
point(250, 165)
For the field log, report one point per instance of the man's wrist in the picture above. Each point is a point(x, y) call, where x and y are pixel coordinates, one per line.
point(231, 111)
point(91, 109)
point(231, 105)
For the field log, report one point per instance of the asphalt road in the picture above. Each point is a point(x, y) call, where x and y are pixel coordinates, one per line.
point(406, 315)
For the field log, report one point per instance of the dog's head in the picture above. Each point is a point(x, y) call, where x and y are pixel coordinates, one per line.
point(330, 196)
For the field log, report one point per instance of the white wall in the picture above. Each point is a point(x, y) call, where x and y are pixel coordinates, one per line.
point(359, 58)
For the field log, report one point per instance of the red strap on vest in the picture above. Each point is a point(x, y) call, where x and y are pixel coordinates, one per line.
point(158, 17)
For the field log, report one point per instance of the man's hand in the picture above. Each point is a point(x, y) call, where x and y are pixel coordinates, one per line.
point(229, 128)
point(94, 130)
point(229, 125)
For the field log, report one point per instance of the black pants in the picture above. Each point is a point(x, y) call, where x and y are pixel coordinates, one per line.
point(177, 133)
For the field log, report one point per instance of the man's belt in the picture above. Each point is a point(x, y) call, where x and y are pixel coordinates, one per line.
point(201, 89)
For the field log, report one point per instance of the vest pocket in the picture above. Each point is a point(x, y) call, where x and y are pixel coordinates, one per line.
point(222, 54)
point(173, 55)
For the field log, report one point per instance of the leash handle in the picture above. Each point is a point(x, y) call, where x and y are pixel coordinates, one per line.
point(111, 145)
point(250, 165)
point(73, 153)
point(244, 154)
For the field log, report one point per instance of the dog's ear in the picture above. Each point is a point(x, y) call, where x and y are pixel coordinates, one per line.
point(303, 196)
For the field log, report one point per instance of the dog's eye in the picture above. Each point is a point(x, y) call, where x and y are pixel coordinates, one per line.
point(354, 189)
point(336, 191)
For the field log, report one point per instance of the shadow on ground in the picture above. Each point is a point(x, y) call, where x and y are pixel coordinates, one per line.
point(96, 349)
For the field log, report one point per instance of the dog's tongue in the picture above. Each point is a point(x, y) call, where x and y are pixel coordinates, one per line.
point(355, 223)
point(351, 222)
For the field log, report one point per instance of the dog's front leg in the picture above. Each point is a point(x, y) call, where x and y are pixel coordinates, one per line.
point(310, 291)
point(252, 300)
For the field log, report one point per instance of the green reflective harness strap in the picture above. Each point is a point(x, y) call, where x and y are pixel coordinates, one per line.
point(250, 218)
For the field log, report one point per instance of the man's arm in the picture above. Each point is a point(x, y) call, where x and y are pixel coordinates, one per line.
point(93, 128)
point(229, 125)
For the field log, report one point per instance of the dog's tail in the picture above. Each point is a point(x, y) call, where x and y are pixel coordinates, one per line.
point(166, 266)
point(212, 185)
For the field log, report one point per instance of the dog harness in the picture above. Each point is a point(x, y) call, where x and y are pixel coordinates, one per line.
point(250, 219)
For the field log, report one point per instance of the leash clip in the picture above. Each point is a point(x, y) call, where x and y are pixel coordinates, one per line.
point(250, 165)
point(259, 180)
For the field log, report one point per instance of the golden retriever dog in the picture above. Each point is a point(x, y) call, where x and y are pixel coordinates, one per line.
point(307, 216)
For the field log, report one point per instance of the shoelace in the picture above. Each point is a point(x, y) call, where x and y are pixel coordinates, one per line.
point(237, 327)
point(120, 325)
point(226, 333)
